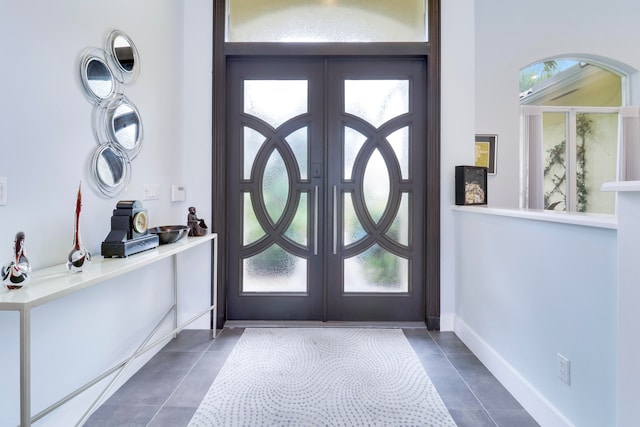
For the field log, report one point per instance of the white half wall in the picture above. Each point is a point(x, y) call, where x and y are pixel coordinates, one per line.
point(528, 290)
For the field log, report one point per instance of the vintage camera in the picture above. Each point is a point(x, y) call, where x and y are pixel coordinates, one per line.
point(129, 231)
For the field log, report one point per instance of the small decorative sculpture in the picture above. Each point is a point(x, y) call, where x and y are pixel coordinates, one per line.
point(17, 271)
point(79, 254)
point(197, 227)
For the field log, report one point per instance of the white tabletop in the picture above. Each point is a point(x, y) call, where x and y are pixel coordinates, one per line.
point(54, 282)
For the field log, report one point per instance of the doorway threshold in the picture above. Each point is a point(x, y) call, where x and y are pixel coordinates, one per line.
point(321, 324)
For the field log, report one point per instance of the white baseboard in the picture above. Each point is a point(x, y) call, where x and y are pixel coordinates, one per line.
point(447, 321)
point(529, 397)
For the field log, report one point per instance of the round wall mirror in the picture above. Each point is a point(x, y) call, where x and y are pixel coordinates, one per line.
point(111, 170)
point(116, 121)
point(96, 76)
point(119, 123)
point(124, 55)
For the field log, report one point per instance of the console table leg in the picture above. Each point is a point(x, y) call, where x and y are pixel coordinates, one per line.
point(175, 294)
point(25, 367)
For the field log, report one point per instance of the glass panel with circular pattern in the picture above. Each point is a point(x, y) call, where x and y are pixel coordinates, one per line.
point(298, 231)
point(376, 270)
point(353, 142)
point(376, 101)
point(275, 101)
point(274, 270)
point(275, 186)
point(352, 228)
point(252, 231)
point(252, 141)
point(376, 186)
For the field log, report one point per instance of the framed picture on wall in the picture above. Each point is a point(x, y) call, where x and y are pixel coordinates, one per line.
point(486, 152)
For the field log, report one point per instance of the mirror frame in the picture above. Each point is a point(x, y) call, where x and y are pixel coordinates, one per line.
point(105, 188)
point(125, 76)
point(104, 113)
point(104, 126)
point(98, 55)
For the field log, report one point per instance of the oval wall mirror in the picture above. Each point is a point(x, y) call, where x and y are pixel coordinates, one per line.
point(124, 55)
point(96, 76)
point(111, 170)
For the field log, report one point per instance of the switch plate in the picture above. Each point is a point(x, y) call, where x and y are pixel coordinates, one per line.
point(178, 193)
point(3, 190)
point(150, 191)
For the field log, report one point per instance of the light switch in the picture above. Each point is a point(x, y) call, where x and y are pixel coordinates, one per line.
point(150, 191)
point(178, 193)
point(3, 190)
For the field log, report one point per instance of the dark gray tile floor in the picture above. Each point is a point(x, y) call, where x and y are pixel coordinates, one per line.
point(169, 388)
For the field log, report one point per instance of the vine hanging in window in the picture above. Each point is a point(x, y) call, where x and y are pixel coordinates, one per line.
point(555, 169)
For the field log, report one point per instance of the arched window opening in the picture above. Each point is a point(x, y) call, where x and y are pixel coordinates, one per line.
point(572, 132)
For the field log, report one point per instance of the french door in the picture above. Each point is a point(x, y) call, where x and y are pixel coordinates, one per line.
point(326, 183)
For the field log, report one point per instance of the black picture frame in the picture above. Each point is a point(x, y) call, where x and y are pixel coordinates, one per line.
point(486, 149)
point(471, 185)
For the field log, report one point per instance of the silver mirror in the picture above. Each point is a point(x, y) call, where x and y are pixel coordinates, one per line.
point(123, 55)
point(111, 170)
point(119, 123)
point(96, 76)
point(116, 121)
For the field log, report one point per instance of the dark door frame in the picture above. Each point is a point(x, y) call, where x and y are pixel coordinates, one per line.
point(430, 50)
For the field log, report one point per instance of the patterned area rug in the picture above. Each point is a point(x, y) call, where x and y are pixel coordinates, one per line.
point(322, 377)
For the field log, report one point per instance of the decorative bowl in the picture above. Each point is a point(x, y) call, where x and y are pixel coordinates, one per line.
point(170, 233)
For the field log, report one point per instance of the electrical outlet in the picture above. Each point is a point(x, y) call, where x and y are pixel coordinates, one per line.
point(564, 369)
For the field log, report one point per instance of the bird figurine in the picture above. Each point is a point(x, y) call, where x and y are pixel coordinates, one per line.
point(17, 271)
point(79, 254)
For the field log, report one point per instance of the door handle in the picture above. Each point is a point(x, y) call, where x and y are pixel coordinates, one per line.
point(315, 220)
point(335, 220)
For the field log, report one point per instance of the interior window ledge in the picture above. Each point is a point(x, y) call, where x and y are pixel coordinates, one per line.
point(575, 218)
point(621, 186)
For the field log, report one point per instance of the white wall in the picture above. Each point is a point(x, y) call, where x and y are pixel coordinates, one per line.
point(457, 132)
point(47, 141)
point(514, 34)
point(511, 313)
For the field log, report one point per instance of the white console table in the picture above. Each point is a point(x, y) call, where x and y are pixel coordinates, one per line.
point(49, 284)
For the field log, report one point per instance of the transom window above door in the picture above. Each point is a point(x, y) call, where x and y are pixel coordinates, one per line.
point(326, 21)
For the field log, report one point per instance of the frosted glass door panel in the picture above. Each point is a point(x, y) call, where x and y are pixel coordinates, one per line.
point(399, 230)
point(399, 141)
point(375, 271)
point(275, 165)
point(275, 186)
point(376, 101)
point(275, 101)
point(376, 186)
point(375, 214)
point(274, 270)
point(353, 142)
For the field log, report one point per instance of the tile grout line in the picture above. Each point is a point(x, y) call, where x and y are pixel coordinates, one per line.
point(462, 378)
point(202, 353)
